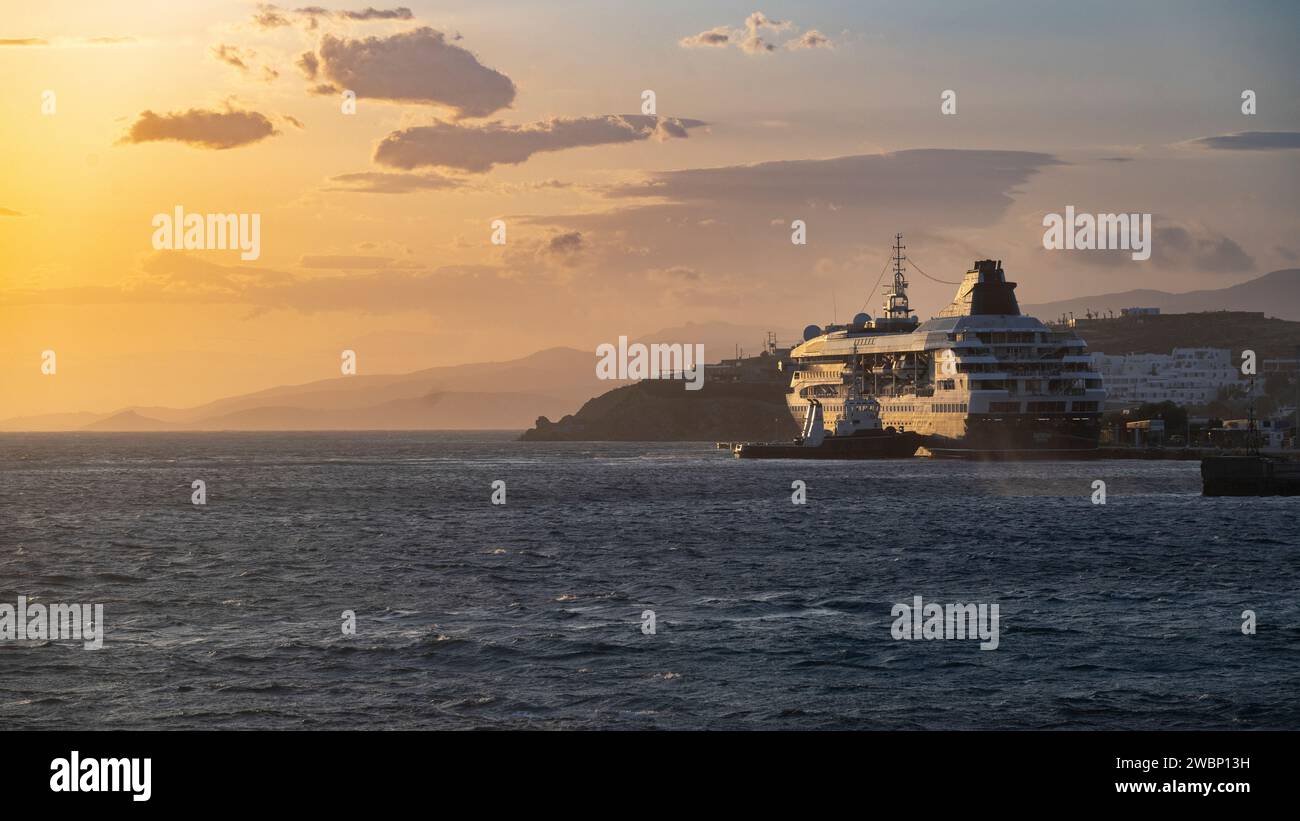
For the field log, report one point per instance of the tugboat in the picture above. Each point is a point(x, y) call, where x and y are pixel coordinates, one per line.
point(857, 435)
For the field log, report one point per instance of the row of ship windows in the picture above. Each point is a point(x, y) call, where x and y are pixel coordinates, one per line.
point(1000, 407)
point(937, 407)
point(1043, 407)
point(1006, 337)
point(994, 407)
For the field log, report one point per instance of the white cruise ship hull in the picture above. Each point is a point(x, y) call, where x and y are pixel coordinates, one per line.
point(980, 380)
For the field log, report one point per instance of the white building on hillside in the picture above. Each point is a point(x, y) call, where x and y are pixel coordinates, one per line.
point(1188, 376)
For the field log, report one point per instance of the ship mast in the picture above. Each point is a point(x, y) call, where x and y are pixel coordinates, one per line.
point(896, 306)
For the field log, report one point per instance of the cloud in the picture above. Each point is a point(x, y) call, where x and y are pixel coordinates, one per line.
point(719, 37)
point(569, 243)
point(308, 63)
point(753, 36)
point(1199, 249)
point(753, 43)
point(1177, 248)
point(812, 38)
point(269, 16)
point(758, 21)
point(676, 272)
point(1252, 141)
point(242, 59)
point(380, 182)
point(917, 178)
point(344, 262)
point(567, 249)
point(9, 212)
point(231, 56)
point(377, 14)
point(202, 128)
point(732, 225)
point(418, 66)
point(68, 42)
point(456, 293)
point(477, 148)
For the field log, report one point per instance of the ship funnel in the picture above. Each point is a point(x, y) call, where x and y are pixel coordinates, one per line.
point(984, 290)
point(992, 294)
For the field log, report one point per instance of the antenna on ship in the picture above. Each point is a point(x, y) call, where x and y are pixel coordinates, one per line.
point(896, 306)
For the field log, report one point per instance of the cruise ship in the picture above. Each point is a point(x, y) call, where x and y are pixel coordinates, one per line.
point(980, 380)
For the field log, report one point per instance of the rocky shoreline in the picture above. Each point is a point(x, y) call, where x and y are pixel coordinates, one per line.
point(663, 411)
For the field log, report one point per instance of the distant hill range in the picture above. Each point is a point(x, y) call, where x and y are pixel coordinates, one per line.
point(484, 395)
point(1276, 295)
point(507, 395)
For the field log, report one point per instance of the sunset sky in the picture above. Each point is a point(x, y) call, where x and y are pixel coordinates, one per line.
point(376, 226)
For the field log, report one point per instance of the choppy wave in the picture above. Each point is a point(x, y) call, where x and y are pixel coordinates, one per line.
point(530, 614)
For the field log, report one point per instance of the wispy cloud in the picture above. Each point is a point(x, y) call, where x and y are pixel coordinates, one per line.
point(269, 16)
point(242, 59)
point(758, 35)
point(344, 262)
point(1181, 248)
point(566, 247)
point(369, 13)
point(382, 182)
point(719, 37)
point(230, 55)
point(812, 38)
point(69, 42)
point(1252, 141)
point(477, 148)
point(755, 24)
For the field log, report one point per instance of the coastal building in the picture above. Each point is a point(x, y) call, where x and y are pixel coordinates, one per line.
point(1269, 433)
point(1188, 376)
point(1146, 432)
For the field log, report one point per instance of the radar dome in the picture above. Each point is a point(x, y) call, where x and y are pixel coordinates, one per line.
point(811, 332)
point(861, 319)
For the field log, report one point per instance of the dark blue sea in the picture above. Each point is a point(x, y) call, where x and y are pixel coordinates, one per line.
point(768, 614)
